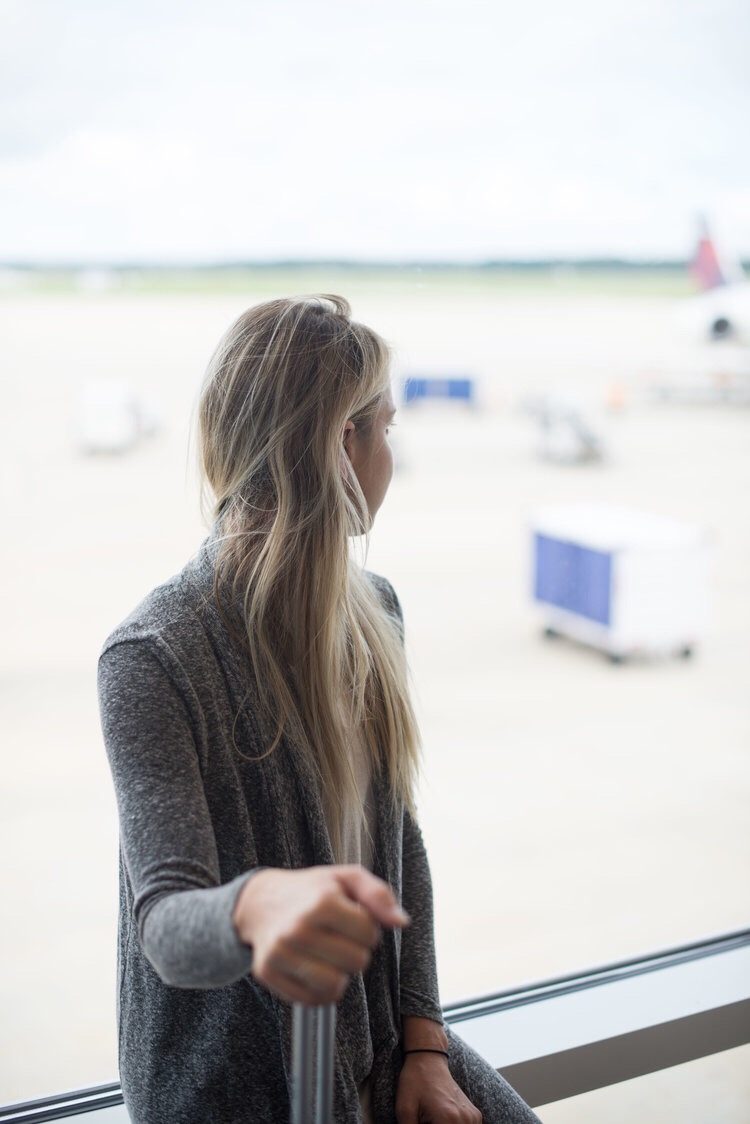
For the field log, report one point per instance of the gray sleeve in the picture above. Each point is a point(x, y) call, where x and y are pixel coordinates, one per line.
point(419, 986)
point(183, 913)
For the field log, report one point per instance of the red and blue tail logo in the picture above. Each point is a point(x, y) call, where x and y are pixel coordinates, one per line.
point(705, 267)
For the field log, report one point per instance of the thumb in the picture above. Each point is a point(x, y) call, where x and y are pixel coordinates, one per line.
point(374, 895)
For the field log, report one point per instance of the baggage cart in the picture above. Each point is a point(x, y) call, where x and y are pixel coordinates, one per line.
point(622, 580)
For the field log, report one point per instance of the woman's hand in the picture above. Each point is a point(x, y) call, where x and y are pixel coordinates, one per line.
point(311, 930)
point(428, 1093)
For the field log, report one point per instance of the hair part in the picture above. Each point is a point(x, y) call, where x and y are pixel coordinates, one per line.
point(326, 655)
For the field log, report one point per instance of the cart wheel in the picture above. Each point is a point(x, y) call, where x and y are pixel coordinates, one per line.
point(686, 653)
point(616, 658)
point(551, 633)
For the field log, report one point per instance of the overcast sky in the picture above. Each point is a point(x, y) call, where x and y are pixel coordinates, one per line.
point(232, 129)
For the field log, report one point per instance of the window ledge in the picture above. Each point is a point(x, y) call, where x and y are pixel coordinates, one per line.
point(566, 1036)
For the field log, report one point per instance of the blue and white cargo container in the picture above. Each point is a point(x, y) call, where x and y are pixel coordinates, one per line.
point(625, 581)
point(447, 387)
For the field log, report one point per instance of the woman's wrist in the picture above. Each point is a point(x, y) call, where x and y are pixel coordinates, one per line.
point(426, 1050)
point(419, 1034)
point(243, 913)
point(425, 1061)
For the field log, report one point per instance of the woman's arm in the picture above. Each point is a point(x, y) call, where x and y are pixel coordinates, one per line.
point(310, 930)
point(426, 1089)
point(183, 913)
point(419, 985)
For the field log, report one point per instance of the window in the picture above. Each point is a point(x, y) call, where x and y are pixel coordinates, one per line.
point(575, 810)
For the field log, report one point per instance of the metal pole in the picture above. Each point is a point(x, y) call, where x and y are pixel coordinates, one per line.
point(303, 1033)
point(326, 1049)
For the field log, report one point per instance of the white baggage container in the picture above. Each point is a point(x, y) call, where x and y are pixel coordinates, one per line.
point(622, 580)
point(108, 416)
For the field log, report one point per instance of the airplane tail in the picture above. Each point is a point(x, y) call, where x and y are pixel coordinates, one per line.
point(708, 268)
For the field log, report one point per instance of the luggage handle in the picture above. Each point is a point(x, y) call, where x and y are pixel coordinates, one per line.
point(313, 1031)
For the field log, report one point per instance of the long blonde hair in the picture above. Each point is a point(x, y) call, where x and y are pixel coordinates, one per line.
point(326, 654)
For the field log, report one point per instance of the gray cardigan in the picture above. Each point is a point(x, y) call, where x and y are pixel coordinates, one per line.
point(200, 1040)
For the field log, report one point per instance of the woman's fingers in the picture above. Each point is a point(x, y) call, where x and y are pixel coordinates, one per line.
point(336, 913)
point(330, 947)
point(373, 894)
point(292, 989)
point(320, 966)
point(313, 980)
point(312, 929)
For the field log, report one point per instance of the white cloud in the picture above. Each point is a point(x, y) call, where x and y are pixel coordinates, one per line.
point(417, 128)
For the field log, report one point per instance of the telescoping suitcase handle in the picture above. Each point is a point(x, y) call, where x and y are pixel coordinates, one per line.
point(313, 1032)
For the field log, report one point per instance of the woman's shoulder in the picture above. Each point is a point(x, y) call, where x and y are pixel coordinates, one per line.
point(386, 595)
point(172, 612)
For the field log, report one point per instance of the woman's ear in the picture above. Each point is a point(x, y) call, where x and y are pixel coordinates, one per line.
point(349, 431)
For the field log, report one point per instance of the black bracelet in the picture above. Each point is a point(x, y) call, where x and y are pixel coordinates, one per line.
point(426, 1050)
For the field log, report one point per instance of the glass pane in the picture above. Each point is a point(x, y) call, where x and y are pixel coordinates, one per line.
point(715, 1089)
point(575, 811)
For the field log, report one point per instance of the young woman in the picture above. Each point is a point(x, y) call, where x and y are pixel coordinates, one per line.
point(264, 752)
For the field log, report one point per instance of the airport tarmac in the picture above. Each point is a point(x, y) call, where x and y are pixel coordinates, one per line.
point(575, 812)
